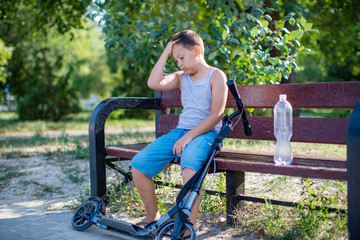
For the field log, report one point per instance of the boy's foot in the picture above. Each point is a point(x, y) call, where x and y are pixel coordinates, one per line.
point(147, 221)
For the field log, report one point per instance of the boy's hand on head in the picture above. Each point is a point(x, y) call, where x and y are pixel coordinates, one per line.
point(169, 47)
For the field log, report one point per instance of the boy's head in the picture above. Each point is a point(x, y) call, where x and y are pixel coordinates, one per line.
point(189, 39)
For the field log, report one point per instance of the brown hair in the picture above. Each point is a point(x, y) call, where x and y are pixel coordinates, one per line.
point(189, 39)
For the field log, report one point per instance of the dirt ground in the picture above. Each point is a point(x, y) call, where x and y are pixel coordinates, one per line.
point(39, 178)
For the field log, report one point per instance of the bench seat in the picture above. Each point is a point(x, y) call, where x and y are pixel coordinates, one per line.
point(333, 168)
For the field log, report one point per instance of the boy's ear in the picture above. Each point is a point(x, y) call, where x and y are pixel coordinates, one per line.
point(197, 50)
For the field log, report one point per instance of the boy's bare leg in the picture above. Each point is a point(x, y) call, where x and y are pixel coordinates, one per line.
point(187, 173)
point(146, 189)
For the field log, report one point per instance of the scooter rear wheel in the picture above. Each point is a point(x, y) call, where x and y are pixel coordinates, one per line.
point(166, 231)
point(84, 214)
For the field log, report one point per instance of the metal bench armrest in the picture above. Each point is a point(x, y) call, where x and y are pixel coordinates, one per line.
point(97, 134)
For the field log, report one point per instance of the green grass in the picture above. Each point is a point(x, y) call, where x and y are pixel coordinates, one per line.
point(42, 190)
point(61, 146)
point(9, 123)
point(8, 174)
point(65, 144)
point(310, 220)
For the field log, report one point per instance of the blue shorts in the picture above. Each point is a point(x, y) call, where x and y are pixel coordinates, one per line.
point(159, 154)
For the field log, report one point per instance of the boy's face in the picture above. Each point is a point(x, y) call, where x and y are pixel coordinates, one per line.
point(185, 57)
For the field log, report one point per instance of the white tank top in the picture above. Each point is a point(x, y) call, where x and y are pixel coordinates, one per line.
point(196, 101)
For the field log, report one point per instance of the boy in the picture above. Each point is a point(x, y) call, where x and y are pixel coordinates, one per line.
point(203, 96)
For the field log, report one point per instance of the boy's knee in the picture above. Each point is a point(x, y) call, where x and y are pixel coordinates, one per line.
point(137, 173)
point(134, 171)
point(187, 173)
point(139, 176)
point(188, 170)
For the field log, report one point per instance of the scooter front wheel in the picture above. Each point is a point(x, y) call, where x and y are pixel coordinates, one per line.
point(84, 214)
point(187, 231)
point(100, 202)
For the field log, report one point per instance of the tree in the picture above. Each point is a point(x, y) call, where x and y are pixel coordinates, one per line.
point(5, 55)
point(236, 34)
point(336, 55)
point(47, 90)
point(62, 69)
point(39, 75)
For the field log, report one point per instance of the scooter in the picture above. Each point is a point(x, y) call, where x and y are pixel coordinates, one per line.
point(175, 223)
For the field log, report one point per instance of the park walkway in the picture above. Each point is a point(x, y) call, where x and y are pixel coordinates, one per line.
point(29, 220)
point(53, 134)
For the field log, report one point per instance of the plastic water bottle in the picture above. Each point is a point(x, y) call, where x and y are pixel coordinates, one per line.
point(283, 131)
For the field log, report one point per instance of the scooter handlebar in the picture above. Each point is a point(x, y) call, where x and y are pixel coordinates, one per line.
point(232, 87)
point(247, 128)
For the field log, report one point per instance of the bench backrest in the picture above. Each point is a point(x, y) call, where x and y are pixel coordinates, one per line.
point(337, 95)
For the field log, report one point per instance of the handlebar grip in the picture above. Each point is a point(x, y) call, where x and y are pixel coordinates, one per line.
point(233, 90)
point(248, 131)
point(232, 87)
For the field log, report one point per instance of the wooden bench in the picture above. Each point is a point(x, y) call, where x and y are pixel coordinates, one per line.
point(236, 163)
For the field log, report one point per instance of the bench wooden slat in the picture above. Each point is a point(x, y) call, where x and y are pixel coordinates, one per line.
point(291, 170)
point(312, 95)
point(125, 151)
point(315, 130)
point(304, 160)
point(227, 159)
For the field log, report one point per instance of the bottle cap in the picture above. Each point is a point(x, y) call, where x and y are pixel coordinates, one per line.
point(282, 96)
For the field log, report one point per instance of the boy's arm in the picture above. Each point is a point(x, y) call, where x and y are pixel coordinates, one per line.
point(157, 80)
point(219, 93)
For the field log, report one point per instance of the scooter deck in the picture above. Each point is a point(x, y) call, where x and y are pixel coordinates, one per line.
point(125, 227)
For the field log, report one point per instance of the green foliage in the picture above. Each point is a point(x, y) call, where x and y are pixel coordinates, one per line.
point(336, 55)
point(62, 15)
point(79, 199)
point(310, 220)
point(239, 36)
point(49, 65)
point(5, 55)
point(314, 214)
point(62, 69)
point(125, 199)
point(93, 75)
point(211, 203)
point(44, 58)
